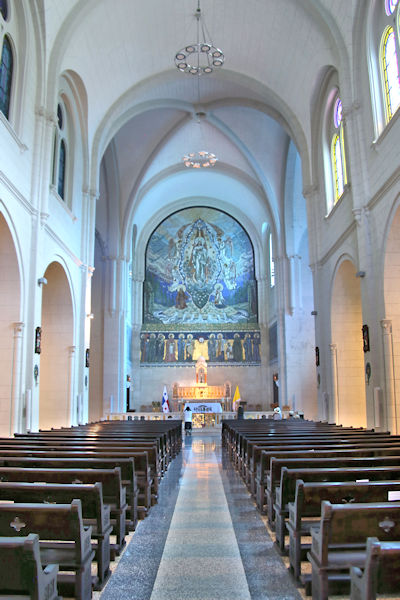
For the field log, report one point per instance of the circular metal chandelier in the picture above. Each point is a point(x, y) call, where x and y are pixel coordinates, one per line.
point(202, 57)
point(199, 160)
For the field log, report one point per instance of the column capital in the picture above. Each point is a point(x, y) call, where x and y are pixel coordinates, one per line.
point(18, 328)
point(386, 325)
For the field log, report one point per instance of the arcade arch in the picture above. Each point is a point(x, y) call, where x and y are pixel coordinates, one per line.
point(349, 401)
point(57, 351)
point(11, 330)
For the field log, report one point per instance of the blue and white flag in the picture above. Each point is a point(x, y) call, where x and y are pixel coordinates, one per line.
point(165, 402)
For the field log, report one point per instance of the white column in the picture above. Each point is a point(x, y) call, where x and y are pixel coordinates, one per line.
point(16, 401)
point(71, 409)
point(390, 391)
point(334, 373)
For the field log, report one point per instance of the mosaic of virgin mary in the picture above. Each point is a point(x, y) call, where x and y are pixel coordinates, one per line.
point(199, 269)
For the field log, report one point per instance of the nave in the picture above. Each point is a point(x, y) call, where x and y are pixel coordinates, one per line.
point(203, 540)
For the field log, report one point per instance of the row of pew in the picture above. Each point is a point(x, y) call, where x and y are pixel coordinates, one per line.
point(69, 497)
point(332, 498)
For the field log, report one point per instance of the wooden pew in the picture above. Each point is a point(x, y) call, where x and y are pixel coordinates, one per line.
point(306, 509)
point(63, 540)
point(147, 467)
point(381, 572)
point(339, 542)
point(318, 459)
point(94, 512)
point(126, 465)
point(114, 493)
point(22, 574)
point(286, 492)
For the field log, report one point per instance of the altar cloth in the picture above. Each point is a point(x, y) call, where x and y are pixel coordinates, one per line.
point(204, 407)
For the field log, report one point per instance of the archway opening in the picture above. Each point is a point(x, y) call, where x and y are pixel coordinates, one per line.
point(392, 313)
point(10, 299)
point(57, 351)
point(347, 352)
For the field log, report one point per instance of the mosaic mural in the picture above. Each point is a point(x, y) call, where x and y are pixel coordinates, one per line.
point(200, 270)
point(219, 347)
point(199, 293)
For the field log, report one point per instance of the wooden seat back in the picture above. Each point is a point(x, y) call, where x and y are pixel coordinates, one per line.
point(22, 574)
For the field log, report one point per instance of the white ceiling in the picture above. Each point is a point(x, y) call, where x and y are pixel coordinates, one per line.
point(275, 51)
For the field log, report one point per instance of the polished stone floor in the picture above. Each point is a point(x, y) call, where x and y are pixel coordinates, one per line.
point(204, 540)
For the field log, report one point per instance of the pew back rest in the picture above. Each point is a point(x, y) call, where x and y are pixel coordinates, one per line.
point(346, 525)
point(310, 495)
point(382, 569)
point(51, 521)
point(113, 492)
point(90, 496)
point(24, 571)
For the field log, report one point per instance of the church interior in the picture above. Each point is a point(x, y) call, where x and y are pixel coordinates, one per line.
point(199, 207)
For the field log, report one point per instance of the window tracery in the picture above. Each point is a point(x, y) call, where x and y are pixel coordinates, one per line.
point(60, 153)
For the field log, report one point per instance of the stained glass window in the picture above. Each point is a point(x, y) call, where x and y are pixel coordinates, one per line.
point(391, 73)
point(338, 152)
point(337, 113)
point(61, 170)
point(390, 5)
point(4, 9)
point(6, 69)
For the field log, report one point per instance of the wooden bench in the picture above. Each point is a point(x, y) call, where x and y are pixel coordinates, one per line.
point(381, 572)
point(114, 493)
point(317, 459)
point(339, 542)
point(94, 512)
point(306, 508)
point(22, 574)
point(63, 540)
point(126, 465)
point(286, 491)
point(145, 471)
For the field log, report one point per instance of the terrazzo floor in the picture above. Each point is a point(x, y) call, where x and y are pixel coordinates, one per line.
point(204, 540)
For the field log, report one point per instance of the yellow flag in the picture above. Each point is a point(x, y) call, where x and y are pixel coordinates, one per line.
point(236, 397)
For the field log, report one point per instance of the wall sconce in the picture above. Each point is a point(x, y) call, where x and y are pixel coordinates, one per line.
point(38, 340)
point(360, 274)
point(365, 336)
point(42, 281)
point(90, 316)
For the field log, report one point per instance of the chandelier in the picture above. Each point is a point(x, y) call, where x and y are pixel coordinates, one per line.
point(199, 160)
point(201, 57)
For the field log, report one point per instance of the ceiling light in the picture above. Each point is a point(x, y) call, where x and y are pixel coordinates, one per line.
point(201, 57)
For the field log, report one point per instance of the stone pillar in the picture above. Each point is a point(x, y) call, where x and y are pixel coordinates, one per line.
point(334, 374)
point(71, 417)
point(16, 399)
point(390, 391)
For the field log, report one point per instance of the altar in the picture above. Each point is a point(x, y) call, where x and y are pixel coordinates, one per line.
point(207, 402)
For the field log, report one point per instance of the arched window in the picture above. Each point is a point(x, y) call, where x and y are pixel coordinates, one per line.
point(61, 170)
point(60, 153)
point(4, 9)
point(271, 264)
point(390, 70)
point(338, 158)
point(6, 71)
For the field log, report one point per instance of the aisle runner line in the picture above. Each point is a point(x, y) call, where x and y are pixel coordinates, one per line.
point(201, 558)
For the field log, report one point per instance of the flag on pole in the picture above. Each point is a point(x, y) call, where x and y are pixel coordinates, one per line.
point(236, 398)
point(165, 402)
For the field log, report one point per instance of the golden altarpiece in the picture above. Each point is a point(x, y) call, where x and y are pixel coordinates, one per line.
point(208, 400)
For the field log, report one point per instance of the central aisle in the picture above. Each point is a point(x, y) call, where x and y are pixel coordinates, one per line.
point(204, 540)
point(201, 556)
